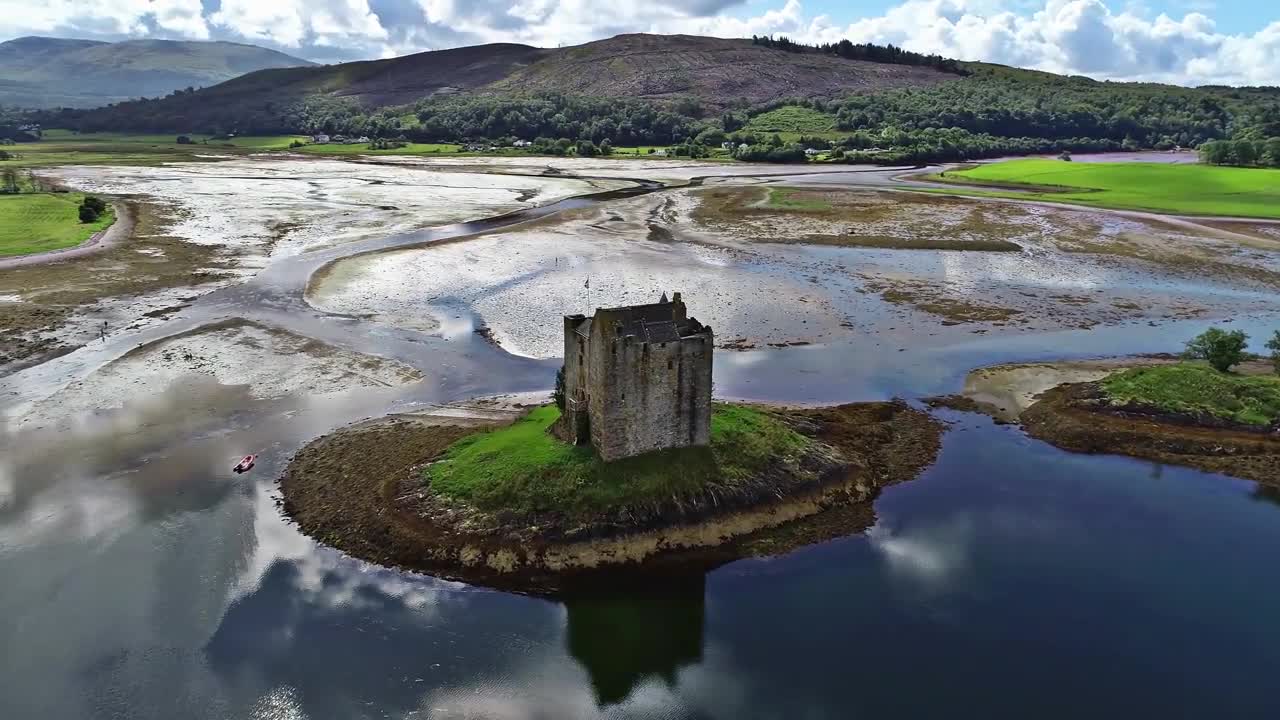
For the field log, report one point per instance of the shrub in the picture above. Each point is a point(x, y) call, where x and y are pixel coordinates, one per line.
point(97, 203)
point(88, 214)
point(1274, 346)
point(184, 140)
point(558, 393)
point(1220, 348)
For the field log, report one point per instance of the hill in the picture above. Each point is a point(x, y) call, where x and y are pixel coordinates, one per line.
point(47, 72)
point(712, 72)
point(856, 103)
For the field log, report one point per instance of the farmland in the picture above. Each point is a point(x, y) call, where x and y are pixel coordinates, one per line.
point(1170, 188)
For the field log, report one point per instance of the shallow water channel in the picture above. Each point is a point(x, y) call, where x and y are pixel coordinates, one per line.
point(139, 578)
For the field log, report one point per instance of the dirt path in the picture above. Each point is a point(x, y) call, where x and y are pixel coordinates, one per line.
point(118, 231)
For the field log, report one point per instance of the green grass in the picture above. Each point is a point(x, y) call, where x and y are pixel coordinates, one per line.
point(523, 468)
point(1193, 388)
point(1161, 187)
point(782, 198)
point(792, 119)
point(363, 149)
point(40, 222)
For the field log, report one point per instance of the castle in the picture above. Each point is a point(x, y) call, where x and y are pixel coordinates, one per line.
point(637, 379)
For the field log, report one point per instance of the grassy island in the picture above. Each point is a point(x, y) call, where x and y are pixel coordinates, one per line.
point(40, 222)
point(1161, 187)
point(1197, 389)
point(501, 502)
point(522, 468)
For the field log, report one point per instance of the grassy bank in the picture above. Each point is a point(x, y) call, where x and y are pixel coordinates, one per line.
point(523, 469)
point(1195, 389)
point(1159, 187)
point(783, 198)
point(40, 222)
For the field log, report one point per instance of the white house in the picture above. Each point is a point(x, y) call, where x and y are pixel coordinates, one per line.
point(810, 152)
point(522, 143)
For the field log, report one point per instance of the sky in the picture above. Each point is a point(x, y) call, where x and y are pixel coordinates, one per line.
point(1189, 42)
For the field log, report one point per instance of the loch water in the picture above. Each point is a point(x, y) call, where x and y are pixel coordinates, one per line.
point(142, 580)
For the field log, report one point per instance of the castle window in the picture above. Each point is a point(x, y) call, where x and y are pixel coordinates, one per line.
point(669, 364)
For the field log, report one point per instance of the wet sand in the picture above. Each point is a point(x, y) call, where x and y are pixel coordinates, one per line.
point(268, 362)
point(863, 262)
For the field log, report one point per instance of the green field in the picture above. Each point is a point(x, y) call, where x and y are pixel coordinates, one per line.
point(793, 119)
point(522, 468)
point(1194, 388)
point(363, 149)
point(784, 198)
point(1160, 187)
point(40, 222)
point(63, 147)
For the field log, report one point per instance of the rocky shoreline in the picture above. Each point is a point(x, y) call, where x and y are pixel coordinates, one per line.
point(1070, 417)
point(1061, 404)
point(360, 490)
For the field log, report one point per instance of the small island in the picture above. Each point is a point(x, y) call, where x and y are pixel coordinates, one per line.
point(1214, 408)
point(632, 467)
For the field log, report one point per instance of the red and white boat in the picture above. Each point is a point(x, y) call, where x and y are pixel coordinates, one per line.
point(245, 464)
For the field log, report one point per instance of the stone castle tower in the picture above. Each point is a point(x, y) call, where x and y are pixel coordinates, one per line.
point(637, 379)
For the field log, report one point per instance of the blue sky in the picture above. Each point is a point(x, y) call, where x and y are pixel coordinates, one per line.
point(1230, 16)
point(1179, 41)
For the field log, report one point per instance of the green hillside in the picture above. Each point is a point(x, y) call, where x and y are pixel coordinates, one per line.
point(697, 93)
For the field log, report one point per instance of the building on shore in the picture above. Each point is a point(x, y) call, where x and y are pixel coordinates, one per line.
point(637, 379)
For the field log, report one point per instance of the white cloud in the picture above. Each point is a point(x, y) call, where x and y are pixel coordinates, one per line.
point(1102, 38)
point(181, 18)
point(1077, 37)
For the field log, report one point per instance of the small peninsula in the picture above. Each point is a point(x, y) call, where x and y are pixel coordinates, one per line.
point(632, 467)
point(1176, 410)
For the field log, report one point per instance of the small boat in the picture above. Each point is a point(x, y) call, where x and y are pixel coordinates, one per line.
point(245, 464)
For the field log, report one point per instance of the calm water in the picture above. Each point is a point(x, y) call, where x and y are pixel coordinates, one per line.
point(1011, 580)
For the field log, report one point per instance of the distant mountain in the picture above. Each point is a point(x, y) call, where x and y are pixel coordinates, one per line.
point(42, 72)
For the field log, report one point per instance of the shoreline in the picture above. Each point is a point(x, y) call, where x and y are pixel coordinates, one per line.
point(1058, 403)
point(356, 489)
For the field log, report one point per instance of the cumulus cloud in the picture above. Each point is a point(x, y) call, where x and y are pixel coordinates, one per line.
point(1101, 38)
point(1076, 37)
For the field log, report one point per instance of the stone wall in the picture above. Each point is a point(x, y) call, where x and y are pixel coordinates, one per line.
point(640, 396)
point(651, 396)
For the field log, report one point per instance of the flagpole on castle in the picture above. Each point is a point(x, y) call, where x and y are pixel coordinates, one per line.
point(587, 285)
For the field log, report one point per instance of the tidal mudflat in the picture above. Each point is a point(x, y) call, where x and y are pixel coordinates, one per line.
point(794, 266)
point(197, 227)
point(146, 578)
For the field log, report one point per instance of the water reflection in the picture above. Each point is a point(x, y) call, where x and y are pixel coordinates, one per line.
point(628, 636)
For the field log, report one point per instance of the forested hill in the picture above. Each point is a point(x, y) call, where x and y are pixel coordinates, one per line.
point(710, 72)
point(54, 72)
point(770, 101)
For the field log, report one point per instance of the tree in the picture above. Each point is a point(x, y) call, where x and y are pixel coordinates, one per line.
point(1271, 154)
point(1065, 156)
point(1246, 152)
point(558, 393)
point(1220, 348)
point(97, 204)
point(1274, 346)
point(606, 147)
point(184, 140)
point(9, 179)
point(88, 214)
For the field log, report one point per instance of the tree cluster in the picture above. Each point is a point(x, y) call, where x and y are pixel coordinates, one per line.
point(870, 52)
point(1242, 153)
point(91, 208)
